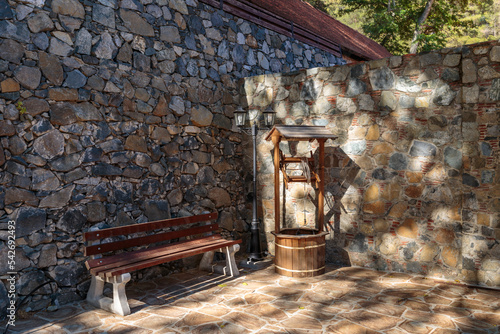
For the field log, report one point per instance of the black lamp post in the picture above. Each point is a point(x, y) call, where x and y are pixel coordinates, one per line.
point(240, 117)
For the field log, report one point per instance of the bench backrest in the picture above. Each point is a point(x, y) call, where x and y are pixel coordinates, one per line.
point(128, 230)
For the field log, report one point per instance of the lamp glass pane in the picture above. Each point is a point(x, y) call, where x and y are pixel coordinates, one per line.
point(240, 118)
point(269, 118)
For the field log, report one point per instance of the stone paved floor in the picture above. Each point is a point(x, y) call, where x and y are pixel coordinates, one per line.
point(346, 300)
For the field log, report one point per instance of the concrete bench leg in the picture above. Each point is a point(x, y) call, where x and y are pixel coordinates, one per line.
point(118, 304)
point(230, 269)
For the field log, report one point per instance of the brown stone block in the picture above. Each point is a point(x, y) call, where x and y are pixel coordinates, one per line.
point(414, 191)
point(483, 219)
point(10, 85)
point(450, 256)
point(391, 191)
point(444, 236)
point(63, 94)
point(372, 193)
point(384, 148)
point(373, 133)
point(136, 143)
point(398, 210)
point(409, 229)
point(347, 327)
point(376, 208)
point(429, 252)
point(381, 225)
point(7, 129)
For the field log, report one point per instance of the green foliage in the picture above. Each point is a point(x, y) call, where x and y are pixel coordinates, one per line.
point(21, 107)
point(392, 23)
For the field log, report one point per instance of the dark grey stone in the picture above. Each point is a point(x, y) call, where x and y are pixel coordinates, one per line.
point(149, 187)
point(142, 62)
point(398, 161)
point(195, 25)
point(359, 244)
point(11, 51)
point(96, 212)
point(62, 114)
point(276, 66)
point(409, 250)
point(134, 172)
point(41, 41)
point(112, 145)
point(382, 79)
point(238, 54)
point(470, 180)
point(17, 146)
point(222, 121)
point(355, 147)
point(69, 273)
point(48, 256)
point(29, 220)
point(75, 79)
point(4, 299)
point(453, 157)
point(422, 149)
point(157, 210)
point(486, 149)
point(494, 92)
point(431, 58)
point(487, 176)
point(92, 154)
point(104, 15)
point(72, 221)
point(450, 75)
point(104, 169)
point(444, 95)
point(18, 31)
point(29, 281)
point(382, 174)
point(206, 175)
point(213, 74)
point(5, 13)
point(190, 143)
point(66, 163)
point(357, 70)
point(355, 87)
point(309, 91)
point(406, 101)
point(122, 192)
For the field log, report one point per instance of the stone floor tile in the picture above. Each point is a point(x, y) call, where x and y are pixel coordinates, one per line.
point(196, 319)
point(187, 304)
point(490, 318)
point(371, 320)
point(245, 320)
point(417, 305)
point(235, 302)
point(165, 310)
point(156, 322)
point(437, 300)
point(127, 328)
point(60, 314)
point(474, 305)
point(215, 310)
point(416, 327)
point(282, 293)
point(312, 297)
point(469, 322)
point(233, 329)
point(207, 329)
point(386, 309)
point(438, 320)
point(347, 327)
point(453, 312)
point(292, 284)
point(266, 311)
point(257, 298)
point(445, 331)
point(301, 322)
point(395, 331)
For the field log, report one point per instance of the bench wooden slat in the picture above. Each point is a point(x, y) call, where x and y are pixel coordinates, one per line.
point(143, 227)
point(124, 257)
point(148, 240)
point(167, 258)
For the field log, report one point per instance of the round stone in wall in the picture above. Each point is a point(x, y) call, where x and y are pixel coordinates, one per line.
point(50, 145)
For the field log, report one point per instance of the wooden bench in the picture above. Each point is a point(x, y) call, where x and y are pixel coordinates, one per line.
point(118, 251)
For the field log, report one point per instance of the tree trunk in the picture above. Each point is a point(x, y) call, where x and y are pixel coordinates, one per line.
point(420, 21)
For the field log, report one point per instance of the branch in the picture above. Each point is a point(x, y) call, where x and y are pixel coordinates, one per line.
point(420, 21)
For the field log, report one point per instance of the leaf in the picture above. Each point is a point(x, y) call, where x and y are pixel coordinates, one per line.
point(244, 283)
point(222, 285)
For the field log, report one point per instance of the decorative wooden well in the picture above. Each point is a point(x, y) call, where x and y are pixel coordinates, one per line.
point(300, 252)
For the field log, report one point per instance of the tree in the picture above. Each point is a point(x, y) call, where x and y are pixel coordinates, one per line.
point(404, 26)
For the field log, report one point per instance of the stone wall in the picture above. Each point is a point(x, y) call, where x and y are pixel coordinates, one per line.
point(115, 112)
point(413, 178)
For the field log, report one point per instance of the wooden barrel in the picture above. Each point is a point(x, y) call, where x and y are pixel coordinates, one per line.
point(300, 252)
